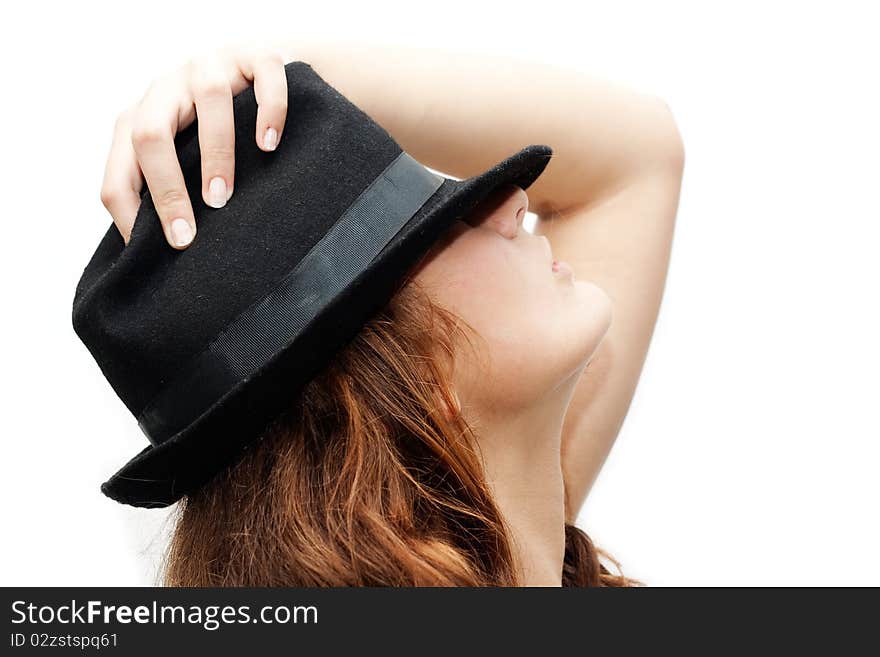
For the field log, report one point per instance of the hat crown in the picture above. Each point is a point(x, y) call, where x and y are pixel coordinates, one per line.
point(145, 310)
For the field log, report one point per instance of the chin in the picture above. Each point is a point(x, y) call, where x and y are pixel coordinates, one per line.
point(595, 314)
point(595, 298)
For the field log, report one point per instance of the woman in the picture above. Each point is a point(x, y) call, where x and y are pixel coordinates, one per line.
point(469, 462)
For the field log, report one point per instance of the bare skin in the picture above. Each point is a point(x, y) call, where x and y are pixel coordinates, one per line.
point(538, 326)
point(561, 373)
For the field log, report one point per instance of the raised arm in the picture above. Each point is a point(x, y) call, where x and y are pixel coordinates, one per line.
point(607, 201)
point(460, 113)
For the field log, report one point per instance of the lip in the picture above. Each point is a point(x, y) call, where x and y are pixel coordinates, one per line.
point(558, 266)
point(562, 267)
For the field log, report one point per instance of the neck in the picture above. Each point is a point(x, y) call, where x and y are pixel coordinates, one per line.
point(521, 456)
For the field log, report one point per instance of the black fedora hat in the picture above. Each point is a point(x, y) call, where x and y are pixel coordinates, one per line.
point(205, 345)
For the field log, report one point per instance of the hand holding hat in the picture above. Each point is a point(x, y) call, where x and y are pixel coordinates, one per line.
point(143, 140)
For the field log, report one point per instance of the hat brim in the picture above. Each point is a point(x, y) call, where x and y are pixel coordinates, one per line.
point(161, 475)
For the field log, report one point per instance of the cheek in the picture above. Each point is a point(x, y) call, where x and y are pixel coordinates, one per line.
point(513, 299)
point(534, 328)
point(517, 311)
point(490, 286)
point(535, 344)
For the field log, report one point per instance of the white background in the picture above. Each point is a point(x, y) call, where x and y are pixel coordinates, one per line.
point(750, 454)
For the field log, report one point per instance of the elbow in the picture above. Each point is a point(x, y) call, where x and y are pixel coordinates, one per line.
point(668, 144)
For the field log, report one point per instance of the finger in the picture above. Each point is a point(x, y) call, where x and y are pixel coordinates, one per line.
point(212, 95)
point(122, 184)
point(270, 90)
point(152, 138)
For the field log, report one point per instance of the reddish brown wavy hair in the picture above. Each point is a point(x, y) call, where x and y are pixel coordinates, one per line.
point(368, 478)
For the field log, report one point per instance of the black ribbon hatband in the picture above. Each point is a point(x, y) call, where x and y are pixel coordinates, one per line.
point(262, 331)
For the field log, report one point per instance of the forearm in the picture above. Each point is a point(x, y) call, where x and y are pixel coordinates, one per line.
point(460, 113)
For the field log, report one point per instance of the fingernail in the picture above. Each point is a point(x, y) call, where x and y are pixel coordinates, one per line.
point(181, 232)
point(217, 195)
point(270, 139)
